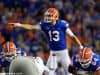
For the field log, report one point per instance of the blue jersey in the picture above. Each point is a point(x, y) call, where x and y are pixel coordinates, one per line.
point(56, 35)
point(4, 62)
point(20, 52)
point(95, 64)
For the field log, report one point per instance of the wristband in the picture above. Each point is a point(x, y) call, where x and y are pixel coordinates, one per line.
point(81, 47)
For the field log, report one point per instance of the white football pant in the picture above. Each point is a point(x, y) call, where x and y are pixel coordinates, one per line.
point(61, 57)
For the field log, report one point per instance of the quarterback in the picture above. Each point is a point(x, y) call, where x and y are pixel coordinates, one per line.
point(56, 31)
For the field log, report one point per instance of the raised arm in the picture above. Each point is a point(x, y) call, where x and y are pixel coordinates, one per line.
point(74, 38)
point(26, 26)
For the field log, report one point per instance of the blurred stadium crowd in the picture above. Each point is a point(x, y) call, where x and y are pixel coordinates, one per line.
point(82, 15)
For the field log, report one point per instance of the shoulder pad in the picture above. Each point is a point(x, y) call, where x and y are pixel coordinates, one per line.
point(65, 22)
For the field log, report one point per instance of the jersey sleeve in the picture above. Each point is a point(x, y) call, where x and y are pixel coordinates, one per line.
point(42, 26)
point(74, 60)
point(65, 24)
point(97, 61)
point(98, 66)
point(67, 28)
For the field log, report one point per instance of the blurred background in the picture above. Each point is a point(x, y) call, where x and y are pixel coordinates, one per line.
point(82, 15)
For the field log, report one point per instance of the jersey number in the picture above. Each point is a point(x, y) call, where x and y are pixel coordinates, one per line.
point(54, 35)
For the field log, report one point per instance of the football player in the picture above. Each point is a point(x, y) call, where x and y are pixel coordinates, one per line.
point(9, 52)
point(87, 61)
point(55, 30)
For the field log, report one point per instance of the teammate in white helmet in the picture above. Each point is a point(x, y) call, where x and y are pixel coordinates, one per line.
point(27, 66)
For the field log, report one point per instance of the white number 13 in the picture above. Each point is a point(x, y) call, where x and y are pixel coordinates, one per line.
point(54, 36)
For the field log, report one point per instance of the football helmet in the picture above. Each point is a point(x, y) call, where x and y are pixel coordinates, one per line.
point(27, 65)
point(9, 48)
point(85, 57)
point(51, 15)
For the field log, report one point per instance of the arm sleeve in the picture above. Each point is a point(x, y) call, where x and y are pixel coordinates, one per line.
point(69, 32)
point(98, 66)
point(27, 26)
point(41, 26)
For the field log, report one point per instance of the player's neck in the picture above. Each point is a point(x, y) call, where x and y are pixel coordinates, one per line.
point(53, 23)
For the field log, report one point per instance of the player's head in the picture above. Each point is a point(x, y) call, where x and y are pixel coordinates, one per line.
point(32, 65)
point(85, 57)
point(9, 48)
point(51, 15)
